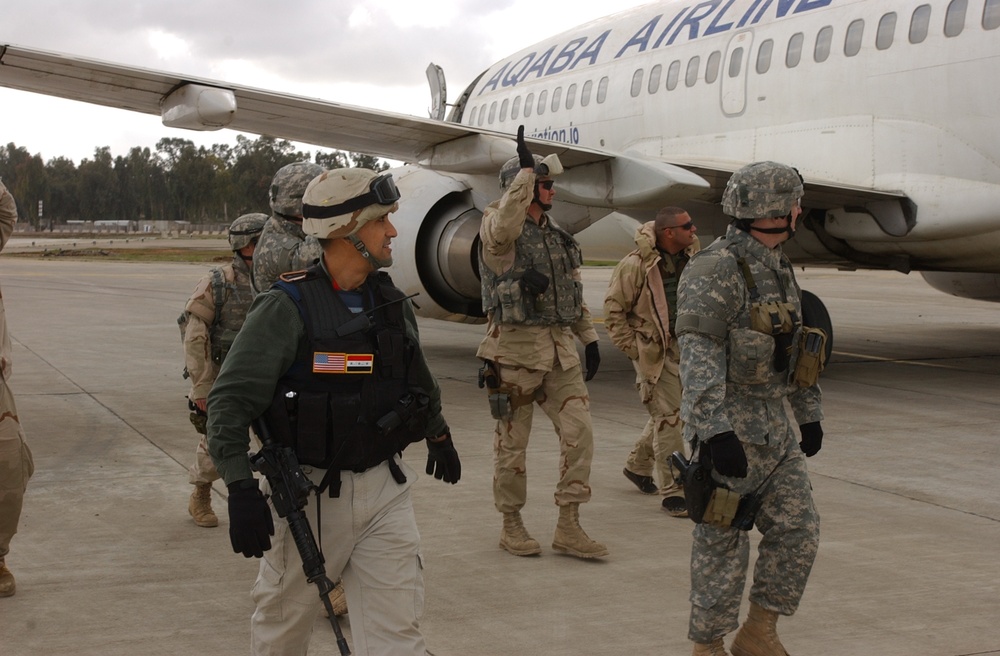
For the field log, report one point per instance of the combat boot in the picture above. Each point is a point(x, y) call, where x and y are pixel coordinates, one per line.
point(6, 582)
point(570, 537)
point(200, 506)
point(714, 648)
point(514, 537)
point(758, 636)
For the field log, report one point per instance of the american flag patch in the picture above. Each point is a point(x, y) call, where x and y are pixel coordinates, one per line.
point(343, 363)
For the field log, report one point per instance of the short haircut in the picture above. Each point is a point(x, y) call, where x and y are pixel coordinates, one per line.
point(667, 217)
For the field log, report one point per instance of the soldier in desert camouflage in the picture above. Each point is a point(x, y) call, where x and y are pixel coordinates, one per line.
point(533, 298)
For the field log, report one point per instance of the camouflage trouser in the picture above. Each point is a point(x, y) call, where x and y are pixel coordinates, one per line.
point(789, 524)
point(662, 434)
point(563, 396)
point(203, 470)
point(16, 467)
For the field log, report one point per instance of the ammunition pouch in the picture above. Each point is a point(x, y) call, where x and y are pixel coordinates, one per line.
point(534, 282)
point(500, 407)
point(774, 318)
point(200, 422)
point(811, 357)
point(221, 345)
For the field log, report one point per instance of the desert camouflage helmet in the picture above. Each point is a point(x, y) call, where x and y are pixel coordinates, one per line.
point(245, 230)
point(762, 190)
point(547, 166)
point(289, 184)
point(339, 202)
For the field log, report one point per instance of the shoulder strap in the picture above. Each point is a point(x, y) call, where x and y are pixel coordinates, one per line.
point(219, 292)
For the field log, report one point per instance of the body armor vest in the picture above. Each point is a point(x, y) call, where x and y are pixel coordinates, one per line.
point(544, 257)
point(233, 311)
point(346, 402)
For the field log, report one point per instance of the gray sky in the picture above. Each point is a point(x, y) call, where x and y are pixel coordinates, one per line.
point(362, 52)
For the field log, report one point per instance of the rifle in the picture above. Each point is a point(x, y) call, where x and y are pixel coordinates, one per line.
point(290, 489)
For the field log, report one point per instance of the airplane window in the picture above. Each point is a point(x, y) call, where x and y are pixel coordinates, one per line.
point(691, 77)
point(764, 56)
point(823, 40)
point(886, 30)
point(515, 109)
point(919, 23)
point(570, 96)
point(672, 73)
point(482, 115)
point(556, 98)
point(493, 112)
point(602, 89)
point(542, 99)
point(991, 15)
point(654, 79)
point(954, 18)
point(472, 115)
point(585, 93)
point(852, 40)
point(503, 109)
point(736, 62)
point(712, 67)
point(529, 101)
point(794, 53)
point(636, 83)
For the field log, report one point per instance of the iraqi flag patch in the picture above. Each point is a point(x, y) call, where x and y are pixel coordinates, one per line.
point(343, 363)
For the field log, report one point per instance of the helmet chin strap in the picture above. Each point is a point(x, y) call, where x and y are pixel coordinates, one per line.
point(776, 231)
point(374, 261)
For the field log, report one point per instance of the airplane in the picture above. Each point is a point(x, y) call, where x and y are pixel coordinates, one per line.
point(886, 108)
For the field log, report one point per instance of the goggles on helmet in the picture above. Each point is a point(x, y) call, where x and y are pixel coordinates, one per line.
point(382, 191)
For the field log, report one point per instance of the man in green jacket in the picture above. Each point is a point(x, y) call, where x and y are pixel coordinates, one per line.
point(327, 355)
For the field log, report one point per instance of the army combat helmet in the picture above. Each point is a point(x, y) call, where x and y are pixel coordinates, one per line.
point(246, 230)
point(287, 187)
point(547, 166)
point(762, 190)
point(338, 202)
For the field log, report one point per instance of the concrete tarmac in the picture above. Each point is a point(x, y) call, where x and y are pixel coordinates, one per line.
point(108, 561)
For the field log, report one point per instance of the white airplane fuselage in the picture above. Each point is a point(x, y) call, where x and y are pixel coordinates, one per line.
point(916, 118)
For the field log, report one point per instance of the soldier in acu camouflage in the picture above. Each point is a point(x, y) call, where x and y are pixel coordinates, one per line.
point(283, 246)
point(215, 313)
point(739, 328)
point(533, 298)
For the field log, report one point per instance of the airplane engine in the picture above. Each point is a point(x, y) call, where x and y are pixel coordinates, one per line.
point(978, 286)
point(436, 252)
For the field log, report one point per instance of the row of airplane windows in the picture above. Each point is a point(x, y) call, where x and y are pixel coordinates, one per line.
point(885, 33)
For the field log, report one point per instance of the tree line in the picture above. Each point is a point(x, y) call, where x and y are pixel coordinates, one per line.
point(175, 182)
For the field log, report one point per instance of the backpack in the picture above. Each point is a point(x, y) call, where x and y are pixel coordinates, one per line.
point(218, 295)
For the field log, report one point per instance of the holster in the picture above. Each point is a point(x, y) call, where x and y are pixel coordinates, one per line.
point(812, 356)
point(709, 502)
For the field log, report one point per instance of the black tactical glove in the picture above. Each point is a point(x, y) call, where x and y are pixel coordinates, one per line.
point(442, 460)
point(812, 438)
point(524, 157)
point(250, 523)
point(593, 360)
point(728, 456)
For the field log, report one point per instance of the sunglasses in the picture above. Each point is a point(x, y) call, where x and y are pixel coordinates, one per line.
point(547, 184)
point(686, 226)
point(381, 191)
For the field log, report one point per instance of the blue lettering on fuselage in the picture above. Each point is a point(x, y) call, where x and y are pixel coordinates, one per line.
point(690, 23)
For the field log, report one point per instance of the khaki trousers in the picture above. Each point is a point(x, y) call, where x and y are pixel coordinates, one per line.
point(563, 396)
point(662, 434)
point(16, 467)
point(370, 540)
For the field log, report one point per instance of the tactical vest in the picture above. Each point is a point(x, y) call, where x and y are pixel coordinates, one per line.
point(548, 251)
point(346, 403)
point(229, 317)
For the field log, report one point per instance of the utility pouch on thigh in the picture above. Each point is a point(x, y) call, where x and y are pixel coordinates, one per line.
point(200, 422)
point(812, 357)
point(500, 406)
point(722, 507)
